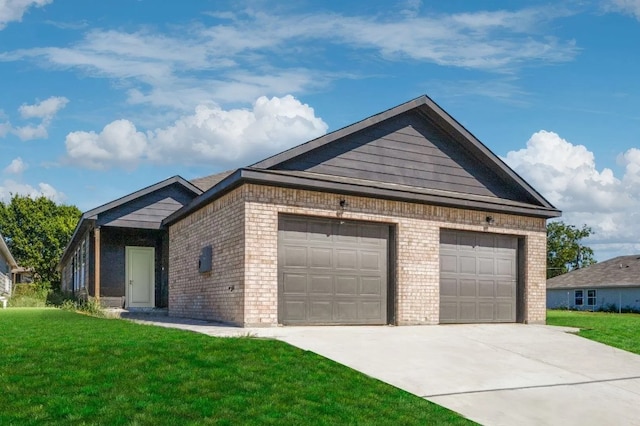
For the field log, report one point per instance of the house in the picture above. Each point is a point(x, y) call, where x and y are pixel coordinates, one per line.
point(7, 267)
point(402, 218)
point(610, 285)
point(119, 252)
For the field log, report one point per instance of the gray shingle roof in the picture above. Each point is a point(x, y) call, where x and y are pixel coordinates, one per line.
point(622, 271)
point(206, 182)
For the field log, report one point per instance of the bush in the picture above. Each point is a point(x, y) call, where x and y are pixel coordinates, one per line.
point(30, 295)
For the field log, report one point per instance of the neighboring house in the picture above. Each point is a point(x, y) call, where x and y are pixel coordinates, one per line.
point(402, 218)
point(611, 285)
point(22, 275)
point(119, 252)
point(7, 266)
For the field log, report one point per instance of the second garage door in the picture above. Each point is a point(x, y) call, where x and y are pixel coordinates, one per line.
point(478, 279)
point(331, 271)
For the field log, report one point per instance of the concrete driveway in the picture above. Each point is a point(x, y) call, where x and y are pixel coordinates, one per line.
point(494, 374)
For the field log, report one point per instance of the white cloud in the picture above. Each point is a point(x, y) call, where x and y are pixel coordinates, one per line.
point(46, 109)
point(11, 187)
point(13, 10)
point(191, 64)
point(16, 167)
point(630, 7)
point(210, 135)
point(119, 143)
point(566, 174)
point(29, 132)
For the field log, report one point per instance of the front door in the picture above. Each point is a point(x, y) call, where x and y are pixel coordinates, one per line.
point(140, 277)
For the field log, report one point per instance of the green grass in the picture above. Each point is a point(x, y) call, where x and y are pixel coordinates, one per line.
point(59, 367)
point(618, 330)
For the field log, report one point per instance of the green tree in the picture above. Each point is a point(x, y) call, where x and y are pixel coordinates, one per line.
point(565, 251)
point(37, 230)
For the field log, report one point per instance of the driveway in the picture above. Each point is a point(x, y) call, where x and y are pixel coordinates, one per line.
point(494, 374)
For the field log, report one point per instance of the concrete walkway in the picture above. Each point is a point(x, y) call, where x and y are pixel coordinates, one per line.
point(507, 374)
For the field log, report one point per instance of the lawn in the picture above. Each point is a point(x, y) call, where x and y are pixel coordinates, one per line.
point(618, 330)
point(58, 367)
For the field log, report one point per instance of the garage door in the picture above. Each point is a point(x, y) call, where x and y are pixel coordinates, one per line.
point(477, 277)
point(331, 271)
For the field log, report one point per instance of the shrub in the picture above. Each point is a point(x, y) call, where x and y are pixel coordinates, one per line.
point(30, 295)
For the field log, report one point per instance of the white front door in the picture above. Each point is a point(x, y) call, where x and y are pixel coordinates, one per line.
point(140, 277)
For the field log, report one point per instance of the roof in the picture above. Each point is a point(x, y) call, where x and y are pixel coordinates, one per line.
point(266, 171)
point(89, 217)
point(621, 271)
point(207, 182)
point(4, 250)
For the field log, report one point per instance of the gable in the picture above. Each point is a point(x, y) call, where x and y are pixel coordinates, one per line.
point(147, 211)
point(410, 150)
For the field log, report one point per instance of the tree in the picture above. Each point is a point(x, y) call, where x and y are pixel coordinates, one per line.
point(37, 230)
point(565, 251)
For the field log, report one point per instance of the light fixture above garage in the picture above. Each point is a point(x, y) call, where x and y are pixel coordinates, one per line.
point(343, 203)
point(490, 220)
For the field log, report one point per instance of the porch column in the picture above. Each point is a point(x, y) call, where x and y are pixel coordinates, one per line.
point(96, 263)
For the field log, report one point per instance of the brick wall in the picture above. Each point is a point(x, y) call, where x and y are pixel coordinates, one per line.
point(218, 294)
point(253, 239)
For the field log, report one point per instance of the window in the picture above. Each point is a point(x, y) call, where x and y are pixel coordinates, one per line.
point(579, 298)
point(591, 297)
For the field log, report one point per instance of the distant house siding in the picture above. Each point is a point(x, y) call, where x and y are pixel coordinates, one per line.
point(605, 298)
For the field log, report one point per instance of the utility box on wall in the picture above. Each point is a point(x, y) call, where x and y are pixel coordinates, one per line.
point(205, 260)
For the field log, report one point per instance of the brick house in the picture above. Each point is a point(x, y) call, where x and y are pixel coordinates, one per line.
point(402, 218)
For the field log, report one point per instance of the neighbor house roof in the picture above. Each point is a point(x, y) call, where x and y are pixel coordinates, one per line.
point(4, 249)
point(89, 217)
point(622, 271)
point(272, 172)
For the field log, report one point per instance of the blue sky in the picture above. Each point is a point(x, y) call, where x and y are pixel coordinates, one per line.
point(99, 99)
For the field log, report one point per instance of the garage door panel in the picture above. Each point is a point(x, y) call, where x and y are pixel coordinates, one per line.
point(486, 266)
point(320, 257)
point(346, 285)
point(467, 311)
point(295, 283)
point(505, 289)
point(370, 310)
point(320, 310)
point(319, 231)
point(505, 311)
point(321, 284)
point(467, 288)
point(448, 263)
point(371, 286)
point(347, 233)
point(465, 242)
point(347, 259)
point(295, 256)
point(295, 229)
point(478, 279)
point(505, 267)
point(347, 310)
point(485, 311)
point(467, 265)
point(336, 273)
point(448, 287)
point(371, 260)
point(295, 310)
point(448, 311)
point(486, 289)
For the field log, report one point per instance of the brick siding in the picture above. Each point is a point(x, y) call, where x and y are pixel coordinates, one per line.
point(243, 228)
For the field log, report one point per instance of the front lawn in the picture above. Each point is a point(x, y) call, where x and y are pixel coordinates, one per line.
point(59, 367)
point(618, 330)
